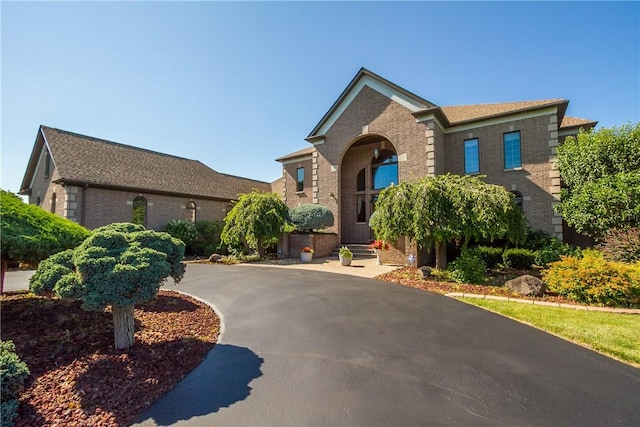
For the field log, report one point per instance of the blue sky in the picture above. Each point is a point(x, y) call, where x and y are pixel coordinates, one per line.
point(236, 85)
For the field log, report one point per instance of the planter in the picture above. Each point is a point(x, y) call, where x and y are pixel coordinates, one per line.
point(378, 257)
point(306, 257)
point(346, 261)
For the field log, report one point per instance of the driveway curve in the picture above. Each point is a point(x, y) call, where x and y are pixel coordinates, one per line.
point(307, 348)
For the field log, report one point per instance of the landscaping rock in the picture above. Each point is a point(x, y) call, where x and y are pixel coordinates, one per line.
point(527, 285)
point(425, 271)
point(215, 258)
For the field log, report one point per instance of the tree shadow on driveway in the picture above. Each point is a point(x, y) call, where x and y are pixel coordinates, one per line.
point(221, 380)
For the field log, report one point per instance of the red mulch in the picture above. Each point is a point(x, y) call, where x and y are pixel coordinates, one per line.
point(79, 379)
point(412, 277)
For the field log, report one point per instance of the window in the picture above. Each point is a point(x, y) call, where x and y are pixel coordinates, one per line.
point(190, 212)
point(47, 163)
point(361, 181)
point(384, 170)
point(53, 203)
point(139, 212)
point(471, 157)
point(361, 208)
point(512, 158)
point(517, 199)
point(300, 179)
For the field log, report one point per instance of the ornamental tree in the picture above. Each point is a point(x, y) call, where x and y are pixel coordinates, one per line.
point(31, 234)
point(436, 210)
point(601, 173)
point(117, 266)
point(311, 217)
point(257, 218)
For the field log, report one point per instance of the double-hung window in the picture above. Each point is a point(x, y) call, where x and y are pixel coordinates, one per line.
point(512, 151)
point(471, 157)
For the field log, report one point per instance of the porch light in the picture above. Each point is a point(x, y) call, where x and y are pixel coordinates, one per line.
point(376, 153)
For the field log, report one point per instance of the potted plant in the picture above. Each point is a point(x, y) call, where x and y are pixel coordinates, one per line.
point(345, 256)
point(377, 246)
point(306, 254)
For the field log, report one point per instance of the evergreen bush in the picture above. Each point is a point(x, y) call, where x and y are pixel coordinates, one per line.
point(13, 373)
point(490, 255)
point(468, 268)
point(522, 259)
point(311, 217)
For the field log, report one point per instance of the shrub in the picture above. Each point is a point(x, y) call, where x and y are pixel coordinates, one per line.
point(622, 245)
point(50, 271)
point(207, 239)
point(519, 258)
point(468, 268)
point(13, 372)
point(595, 280)
point(345, 252)
point(181, 229)
point(311, 217)
point(491, 256)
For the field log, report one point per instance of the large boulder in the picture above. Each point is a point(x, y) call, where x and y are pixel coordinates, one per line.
point(215, 258)
point(527, 285)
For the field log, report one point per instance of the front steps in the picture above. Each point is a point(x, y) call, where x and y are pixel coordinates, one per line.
point(359, 250)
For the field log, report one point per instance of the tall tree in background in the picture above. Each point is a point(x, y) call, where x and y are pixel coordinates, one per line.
point(601, 173)
point(258, 219)
point(436, 210)
point(118, 266)
point(31, 234)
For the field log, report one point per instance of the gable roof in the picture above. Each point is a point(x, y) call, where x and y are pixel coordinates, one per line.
point(84, 160)
point(363, 78)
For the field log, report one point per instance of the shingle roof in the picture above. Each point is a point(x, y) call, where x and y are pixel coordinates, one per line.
point(299, 153)
point(87, 160)
point(458, 114)
point(572, 122)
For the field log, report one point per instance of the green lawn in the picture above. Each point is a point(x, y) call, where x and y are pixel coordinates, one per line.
point(615, 335)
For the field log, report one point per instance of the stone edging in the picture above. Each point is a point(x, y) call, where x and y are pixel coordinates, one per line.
point(545, 303)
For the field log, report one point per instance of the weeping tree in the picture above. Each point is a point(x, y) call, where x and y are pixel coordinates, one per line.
point(31, 234)
point(257, 218)
point(117, 266)
point(436, 210)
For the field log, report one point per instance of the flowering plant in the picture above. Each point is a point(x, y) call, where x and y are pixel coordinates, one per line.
point(307, 249)
point(379, 244)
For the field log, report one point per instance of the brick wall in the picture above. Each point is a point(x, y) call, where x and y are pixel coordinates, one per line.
point(322, 243)
point(534, 180)
point(289, 184)
point(104, 206)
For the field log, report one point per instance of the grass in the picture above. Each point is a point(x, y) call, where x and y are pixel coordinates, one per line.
point(612, 334)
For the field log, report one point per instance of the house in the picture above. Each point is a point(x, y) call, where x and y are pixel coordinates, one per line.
point(377, 134)
point(96, 182)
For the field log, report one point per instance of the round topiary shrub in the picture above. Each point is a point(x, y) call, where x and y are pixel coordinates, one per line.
point(521, 259)
point(311, 217)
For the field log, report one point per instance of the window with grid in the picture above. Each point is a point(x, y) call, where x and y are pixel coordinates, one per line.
point(512, 153)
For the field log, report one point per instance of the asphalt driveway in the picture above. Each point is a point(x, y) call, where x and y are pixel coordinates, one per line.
point(305, 348)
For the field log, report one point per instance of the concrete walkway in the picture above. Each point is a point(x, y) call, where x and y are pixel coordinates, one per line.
point(361, 267)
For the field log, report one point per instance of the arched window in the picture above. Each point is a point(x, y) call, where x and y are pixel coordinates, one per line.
point(190, 211)
point(384, 169)
point(518, 199)
point(53, 203)
point(139, 212)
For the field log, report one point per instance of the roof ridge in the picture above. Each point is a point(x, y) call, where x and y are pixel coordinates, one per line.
point(106, 141)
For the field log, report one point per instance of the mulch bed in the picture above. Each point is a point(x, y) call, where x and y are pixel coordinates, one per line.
point(79, 379)
point(411, 277)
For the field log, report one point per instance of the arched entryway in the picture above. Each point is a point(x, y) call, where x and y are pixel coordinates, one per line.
point(368, 166)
